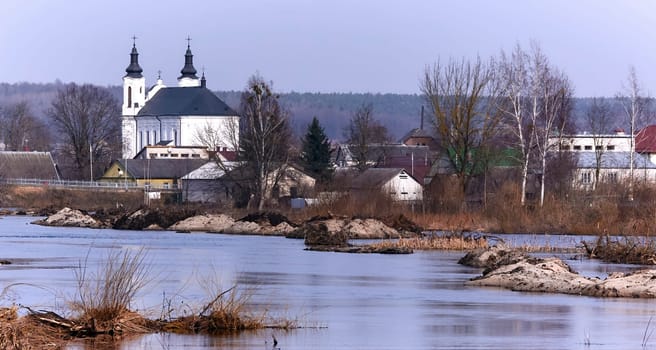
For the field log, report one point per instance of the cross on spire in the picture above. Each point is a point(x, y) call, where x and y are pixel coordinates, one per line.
point(188, 41)
point(159, 74)
point(134, 40)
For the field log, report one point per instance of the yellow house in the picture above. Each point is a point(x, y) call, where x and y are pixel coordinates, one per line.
point(153, 173)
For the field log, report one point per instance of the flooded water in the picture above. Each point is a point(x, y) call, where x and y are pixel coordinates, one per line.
point(348, 301)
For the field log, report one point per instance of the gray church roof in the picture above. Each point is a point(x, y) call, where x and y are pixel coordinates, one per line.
point(178, 101)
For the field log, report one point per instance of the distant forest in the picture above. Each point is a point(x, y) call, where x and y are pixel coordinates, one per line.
point(398, 112)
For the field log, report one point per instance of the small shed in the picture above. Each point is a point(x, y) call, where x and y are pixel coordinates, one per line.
point(396, 182)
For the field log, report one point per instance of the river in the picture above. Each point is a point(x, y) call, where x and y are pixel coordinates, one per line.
point(346, 301)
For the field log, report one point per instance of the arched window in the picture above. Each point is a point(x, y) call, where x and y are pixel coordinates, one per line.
point(129, 96)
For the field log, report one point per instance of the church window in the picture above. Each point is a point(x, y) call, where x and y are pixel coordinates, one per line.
point(148, 137)
point(136, 104)
point(175, 137)
point(141, 140)
point(154, 136)
point(129, 96)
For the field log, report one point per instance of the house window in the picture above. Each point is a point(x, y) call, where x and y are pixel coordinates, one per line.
point(599, 148)
point(577, 148)
point(153, 155)
point(184, 155)
point(174, 155)
point(403, 176)
point(586, 177)
point(166, 185)
point(564, 147)
point(195, 156)
point(588, 148)
point(611, 178)
point(610, 148)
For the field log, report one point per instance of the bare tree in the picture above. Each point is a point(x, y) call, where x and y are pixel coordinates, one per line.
point(264, 138)
point(635, 106)
point(598, 118)
point(463, 97)
point(550, 105)
point(363, 133)
point(513, 74)
point(88, 118)
point(21, 130)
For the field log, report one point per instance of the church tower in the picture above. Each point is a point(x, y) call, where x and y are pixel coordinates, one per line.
point(188, 77)
point(134, 97)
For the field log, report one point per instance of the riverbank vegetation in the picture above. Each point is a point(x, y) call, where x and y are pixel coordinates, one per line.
point(102, 310)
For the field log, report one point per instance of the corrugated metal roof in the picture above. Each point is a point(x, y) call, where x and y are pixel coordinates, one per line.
point(179, 101)
point(614, 160)
point(160, 168)
point(28, 165)
point(375, 178)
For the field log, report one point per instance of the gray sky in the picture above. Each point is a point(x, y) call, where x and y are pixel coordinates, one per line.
point(321, 46)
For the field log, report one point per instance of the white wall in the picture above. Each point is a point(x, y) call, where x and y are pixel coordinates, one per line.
point(404, 188)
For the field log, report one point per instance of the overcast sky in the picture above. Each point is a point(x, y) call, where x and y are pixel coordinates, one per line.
point(321, 46)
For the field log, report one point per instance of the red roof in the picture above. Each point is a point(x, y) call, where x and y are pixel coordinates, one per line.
point(418, 167)
point(645, 140)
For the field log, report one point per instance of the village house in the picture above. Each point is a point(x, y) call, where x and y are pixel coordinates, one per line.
point(614, 154)
point(161, 174)
point(225, 183)
point(395, 182)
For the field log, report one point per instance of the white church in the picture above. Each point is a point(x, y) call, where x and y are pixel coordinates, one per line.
point(172, 116)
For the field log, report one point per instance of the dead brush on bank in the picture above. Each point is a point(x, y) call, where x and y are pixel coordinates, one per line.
point(624, 250)
point(27, 332)
point(226, 312)
point(104, 297)
point(449, 242)
point(229, 310)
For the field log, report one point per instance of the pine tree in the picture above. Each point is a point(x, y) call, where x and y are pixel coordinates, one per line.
point(316, 152)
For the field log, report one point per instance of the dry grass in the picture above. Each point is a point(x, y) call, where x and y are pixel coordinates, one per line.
point(450, 242)
point(27, 333)
point(104, 297)
point(625, 250)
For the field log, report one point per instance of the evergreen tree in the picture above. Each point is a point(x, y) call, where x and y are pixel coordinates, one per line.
point(316, 152)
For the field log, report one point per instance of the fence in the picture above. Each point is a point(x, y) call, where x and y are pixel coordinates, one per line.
point(86, 184)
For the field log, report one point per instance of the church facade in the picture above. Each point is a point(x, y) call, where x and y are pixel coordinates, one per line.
point(187, 115)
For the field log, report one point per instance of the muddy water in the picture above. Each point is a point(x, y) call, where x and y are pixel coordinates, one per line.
point(347, 301)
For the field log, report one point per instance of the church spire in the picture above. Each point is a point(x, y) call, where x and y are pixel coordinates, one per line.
point(134, 70)
point(188, 71)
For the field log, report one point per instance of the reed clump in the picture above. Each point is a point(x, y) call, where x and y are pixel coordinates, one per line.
point(104, 297)
point(448, 242)
point(623, 250)
point(226, 312)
